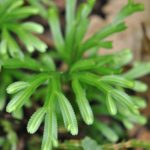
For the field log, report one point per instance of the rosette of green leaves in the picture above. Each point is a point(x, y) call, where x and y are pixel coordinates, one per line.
point(72, 46)
point(11, 16)
point(23, 90)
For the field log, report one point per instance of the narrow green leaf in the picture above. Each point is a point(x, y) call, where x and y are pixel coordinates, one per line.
point(94, 80)
point(100, 44)
point(69, 42)
point(111, 106)
point(139, 70)
point(42, 11)
point(83, 65)
point(37, 43)
point(118, 80)
point(139, 102)
point(25, 63)
point(129, 125)
point(140, 86)
point(3, 48)
point(47, 137)
point(122, 58)
point(56, 29)
point(48, 61)
point(4, 5)
point(85, 9)
point(54, 130)
point(91, 3)
point(89, 78)
point(17, 86)
point(107, 70)
point(103, 33)
point(15, 5)
point(2, 96)
point(50, 107)
point(31, 43)
point(134, 119)
point(122, 97)
point(36, 120)
point(70, 26)
point(23, 35)
point(104, 44)
point(13, 47)
point(21, 13)
point(33, 27)
point(81, 29)
point(82, 22)
point(129, 9)
point(95, 46)
point(20, 98)
point(116, 26)
point(50, 130)
point(82, 101)
point(103, 60)
point(106, 131)
point(140, 119)
point(123, 110)
point(114, 61)
point(68, 114)
point(70, 14)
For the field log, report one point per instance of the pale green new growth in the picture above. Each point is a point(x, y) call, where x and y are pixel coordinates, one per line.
point(22, 96)
point(110, 103)
point(140, 86)
point(35, 120)
point(17, 86)
point(68, 114)
point(32, 27)
point(11, 15)
point(47, 137)
point(18, 100)
point(82, 101)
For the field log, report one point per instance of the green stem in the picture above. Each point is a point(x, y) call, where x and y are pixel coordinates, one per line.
point(128, 144)
point(134, 143)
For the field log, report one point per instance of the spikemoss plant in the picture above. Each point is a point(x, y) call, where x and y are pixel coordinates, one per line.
point(99, 78)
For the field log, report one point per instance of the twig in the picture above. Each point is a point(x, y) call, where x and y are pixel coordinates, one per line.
point(128, 144)
point(76, 145)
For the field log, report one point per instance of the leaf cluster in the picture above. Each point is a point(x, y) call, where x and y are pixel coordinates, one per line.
point(12, 15)
point(96, 77)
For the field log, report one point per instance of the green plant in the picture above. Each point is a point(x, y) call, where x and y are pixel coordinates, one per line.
point(92, 78)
